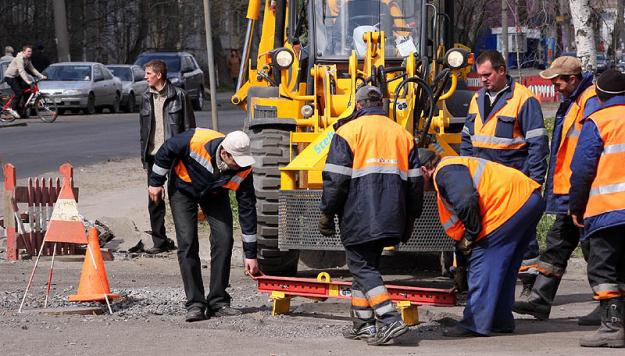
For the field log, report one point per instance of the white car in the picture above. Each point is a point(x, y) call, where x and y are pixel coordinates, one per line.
point(82, 85)
point(133, 84)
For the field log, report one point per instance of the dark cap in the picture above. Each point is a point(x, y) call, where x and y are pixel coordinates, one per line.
point(368, 92)
point(611, 82)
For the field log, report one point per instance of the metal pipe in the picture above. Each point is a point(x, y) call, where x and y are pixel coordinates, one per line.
point(211, 65)
point(246, 53)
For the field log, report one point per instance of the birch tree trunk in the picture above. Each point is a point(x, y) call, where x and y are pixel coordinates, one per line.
point(617, 34)
point(584, 33)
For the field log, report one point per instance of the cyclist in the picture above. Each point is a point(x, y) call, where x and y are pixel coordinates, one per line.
point(17, 76)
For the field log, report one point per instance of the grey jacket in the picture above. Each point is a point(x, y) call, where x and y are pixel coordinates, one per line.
point(177, 112)
point(19, 66)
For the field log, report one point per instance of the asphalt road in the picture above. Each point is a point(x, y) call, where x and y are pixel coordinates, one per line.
point(84, 139)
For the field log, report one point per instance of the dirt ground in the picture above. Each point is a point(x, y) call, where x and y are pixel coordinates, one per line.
point(149, 320)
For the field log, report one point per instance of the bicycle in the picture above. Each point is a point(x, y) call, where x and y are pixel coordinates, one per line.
point(43, 105)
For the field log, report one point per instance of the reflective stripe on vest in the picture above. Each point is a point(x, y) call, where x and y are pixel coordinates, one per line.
point(510, 135)
point(502, 192)
point(607, 192)
point(198, 152)
point(235, 182)
point(571, 128)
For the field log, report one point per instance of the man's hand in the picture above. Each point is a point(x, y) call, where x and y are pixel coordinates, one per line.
point(43, 77)
point(464, 246)
point(156, 193)
point(577, 222)
point(326, 225)
point(251, 267)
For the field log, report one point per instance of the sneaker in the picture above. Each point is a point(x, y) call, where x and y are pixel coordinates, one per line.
point(226, 311)
point(364, 332)
point(195, 314)
point(387, 333)
point(13, 113)
point(169, 246)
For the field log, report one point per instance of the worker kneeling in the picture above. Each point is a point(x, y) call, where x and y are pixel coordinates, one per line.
point(491, 211)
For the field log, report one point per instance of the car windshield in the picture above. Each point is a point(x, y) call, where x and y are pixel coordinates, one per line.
point(172, 62)
point(340, 25)
point(123, 73)
point(69, 72)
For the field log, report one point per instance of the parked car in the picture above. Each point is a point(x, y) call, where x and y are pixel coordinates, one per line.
point(133, 84)
point(620, 63)
point(82, 85)
point(602, 63)
point(182, 71)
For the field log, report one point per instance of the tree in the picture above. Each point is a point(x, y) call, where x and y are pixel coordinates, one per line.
point(584, 32)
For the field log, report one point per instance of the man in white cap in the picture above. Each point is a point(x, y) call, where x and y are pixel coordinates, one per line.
point(203, 165)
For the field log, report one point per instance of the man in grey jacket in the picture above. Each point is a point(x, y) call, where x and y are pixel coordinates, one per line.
point(18, 78)
point(166, 111)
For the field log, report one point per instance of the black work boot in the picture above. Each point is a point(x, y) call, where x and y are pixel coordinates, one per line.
point(593, 318)
point(610, 333)
point(539, 302)
point(527, 278)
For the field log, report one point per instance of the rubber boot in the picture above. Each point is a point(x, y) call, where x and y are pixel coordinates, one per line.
point(593, 318)
point(538, 304)
point(610, 333)
point(528, 279)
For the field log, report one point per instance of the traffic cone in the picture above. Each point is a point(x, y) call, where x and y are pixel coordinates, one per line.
point(94, 284)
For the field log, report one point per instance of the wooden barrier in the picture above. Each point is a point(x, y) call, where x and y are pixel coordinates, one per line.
point(39, 196)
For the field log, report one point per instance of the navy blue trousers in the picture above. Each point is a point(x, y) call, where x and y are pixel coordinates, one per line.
point(493, 268)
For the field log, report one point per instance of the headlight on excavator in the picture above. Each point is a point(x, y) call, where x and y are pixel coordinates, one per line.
point(282, 57)
point(457, 58)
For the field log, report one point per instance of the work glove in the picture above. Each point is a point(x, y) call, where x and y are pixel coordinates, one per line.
point(464, 246)
point(326, 225)
point(408, 229)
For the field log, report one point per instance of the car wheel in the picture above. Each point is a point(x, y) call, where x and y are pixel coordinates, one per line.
point(90, 109)
point(115, 107)
point(130, 105)
point(198, 103)
point(61, 112)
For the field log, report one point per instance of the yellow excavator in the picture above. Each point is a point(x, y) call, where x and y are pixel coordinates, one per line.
point(303, 61)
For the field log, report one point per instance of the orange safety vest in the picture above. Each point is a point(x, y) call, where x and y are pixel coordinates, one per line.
point(378, 156)
point(198, 152)
point(484, 132)
point(571, 128)
point(607, 192)
point(502, 192)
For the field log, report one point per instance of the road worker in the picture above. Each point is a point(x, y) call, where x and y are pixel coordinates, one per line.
point(205, 165)
point(597, 203)
point(505, 125)
point(372, 181)
point(578, 96)
point(491, 210)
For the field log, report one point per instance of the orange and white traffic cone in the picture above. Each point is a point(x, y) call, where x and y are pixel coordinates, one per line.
point(94, 284)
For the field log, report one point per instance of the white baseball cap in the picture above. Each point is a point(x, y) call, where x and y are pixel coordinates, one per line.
point(237, 143)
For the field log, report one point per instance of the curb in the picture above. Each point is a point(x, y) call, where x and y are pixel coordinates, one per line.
point(12, 124)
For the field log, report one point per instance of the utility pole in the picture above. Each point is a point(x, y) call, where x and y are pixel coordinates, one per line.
point(211, 65)
point(60, 28)
point(504, 30)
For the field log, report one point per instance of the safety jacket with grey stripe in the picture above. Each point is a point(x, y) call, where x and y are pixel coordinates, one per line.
point(190, 160)
point(512, 134)
point(372, 178)
point(597, 179)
